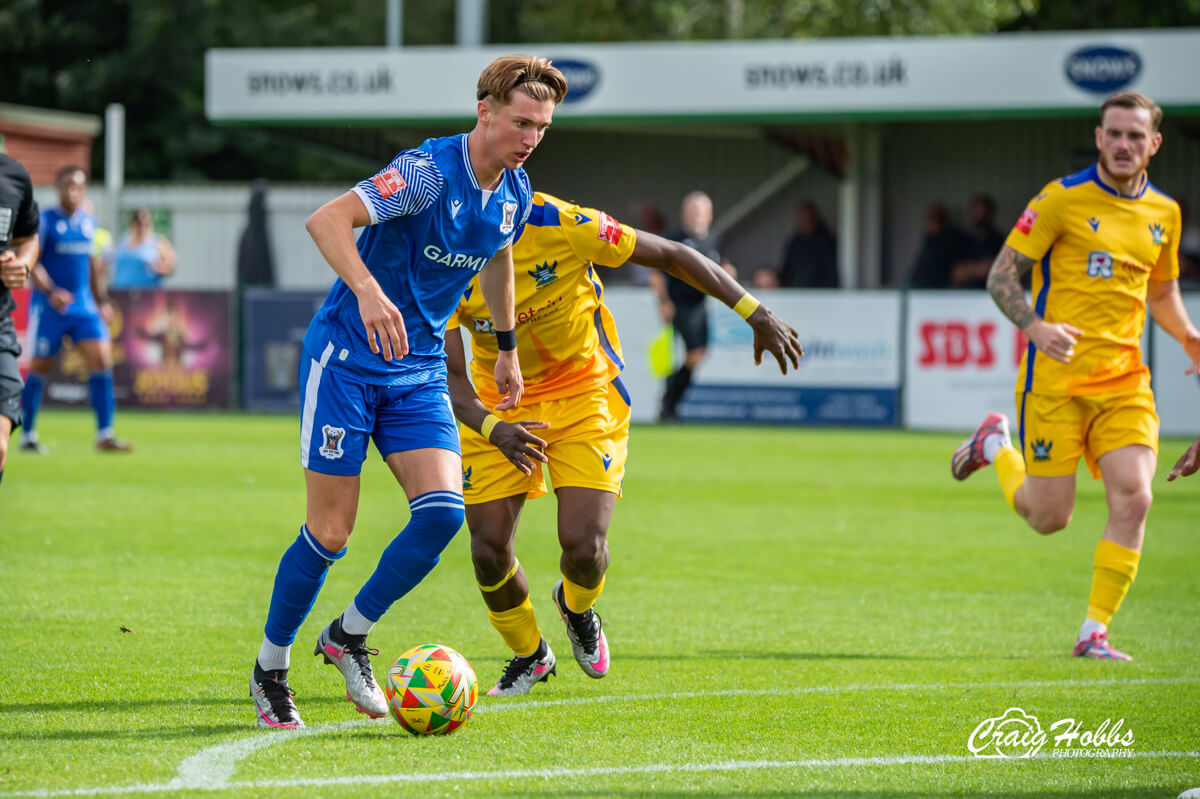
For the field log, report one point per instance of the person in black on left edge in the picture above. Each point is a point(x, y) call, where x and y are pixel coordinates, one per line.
point(18, 254)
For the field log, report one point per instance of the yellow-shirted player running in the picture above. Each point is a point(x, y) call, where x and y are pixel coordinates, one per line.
point(1103, 244)
point(571, 364)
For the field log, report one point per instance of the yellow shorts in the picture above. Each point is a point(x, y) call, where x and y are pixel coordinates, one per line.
point(1055, 431)
point(587, 440)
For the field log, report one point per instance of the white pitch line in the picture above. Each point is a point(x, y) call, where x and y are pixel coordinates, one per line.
point(503, 705)
point(600, 771)
point(213, 767)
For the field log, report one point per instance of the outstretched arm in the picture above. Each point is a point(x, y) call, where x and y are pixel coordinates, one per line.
point(1166, 306)
point(1004, 284)
point(771, 334)
point(514, 440)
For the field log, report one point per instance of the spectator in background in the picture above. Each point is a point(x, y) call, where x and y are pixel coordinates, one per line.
point(981, 243)
point(765, 277)
point(142, 258)
point(682, 304)
point(941, 249)
point(810, 259)
point(1189, 252)
point(255, 264)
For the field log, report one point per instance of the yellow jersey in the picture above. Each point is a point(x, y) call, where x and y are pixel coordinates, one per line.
point(1098, 250)
point(566, 340)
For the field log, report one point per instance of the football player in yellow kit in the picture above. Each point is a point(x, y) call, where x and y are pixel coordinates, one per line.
point(571, 362)
point(1103, 244)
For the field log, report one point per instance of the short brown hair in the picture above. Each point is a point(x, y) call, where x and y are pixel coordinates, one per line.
point(1133, 100)
point(533, 75)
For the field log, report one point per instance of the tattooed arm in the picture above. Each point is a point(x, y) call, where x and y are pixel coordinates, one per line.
point(1004, 284)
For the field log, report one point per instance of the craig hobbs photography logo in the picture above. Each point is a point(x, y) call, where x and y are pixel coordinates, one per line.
point(1017, 734)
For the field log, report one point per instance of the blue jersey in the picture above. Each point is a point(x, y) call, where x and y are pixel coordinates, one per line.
point(67, 245)
point(432, 230)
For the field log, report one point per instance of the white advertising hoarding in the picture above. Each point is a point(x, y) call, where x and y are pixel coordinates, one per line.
point(1177, 395)
point(850, 374)
point(905, 76)
point(961, 362)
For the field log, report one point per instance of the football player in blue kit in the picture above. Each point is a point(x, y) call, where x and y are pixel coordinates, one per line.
point(70, 301)
point(374, 366)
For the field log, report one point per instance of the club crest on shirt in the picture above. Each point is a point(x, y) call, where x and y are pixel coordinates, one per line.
point(510, 215)
point(544, 274)
point(482, 325)
point(332, 448)
point(1158, 233)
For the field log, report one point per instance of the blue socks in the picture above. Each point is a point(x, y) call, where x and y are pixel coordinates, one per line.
point(297, 582)
point(104, 402)
point(436, 517)
point(31, 401)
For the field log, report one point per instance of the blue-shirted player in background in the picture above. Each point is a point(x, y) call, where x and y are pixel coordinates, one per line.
point(71, 301)
point(374, 365)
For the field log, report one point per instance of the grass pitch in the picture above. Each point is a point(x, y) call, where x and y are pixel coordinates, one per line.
point(811, 613)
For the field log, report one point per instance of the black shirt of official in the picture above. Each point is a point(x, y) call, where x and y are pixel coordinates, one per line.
point(682, 293)
point(18, 219)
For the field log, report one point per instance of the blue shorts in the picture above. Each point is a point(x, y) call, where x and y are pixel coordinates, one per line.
point(47, 328)
point(340, 413)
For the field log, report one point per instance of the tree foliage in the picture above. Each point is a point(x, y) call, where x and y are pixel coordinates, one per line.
point(80, 55)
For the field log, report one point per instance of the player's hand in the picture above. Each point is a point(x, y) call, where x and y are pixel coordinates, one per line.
point(106, 310)
point(773, 335)
point(12, 271)
point(1055, 339)
point(61, 299)
point(1188, 463)
point(384, 324)
point(509, 382)
point(1192, 347)
point(518, 444)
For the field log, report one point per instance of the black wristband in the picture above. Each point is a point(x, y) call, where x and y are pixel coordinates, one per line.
point(506, 340)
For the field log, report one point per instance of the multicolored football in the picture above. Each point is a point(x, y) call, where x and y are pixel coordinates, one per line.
point(431, 690)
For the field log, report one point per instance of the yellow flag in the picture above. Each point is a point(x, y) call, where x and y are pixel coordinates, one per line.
point(662, 352)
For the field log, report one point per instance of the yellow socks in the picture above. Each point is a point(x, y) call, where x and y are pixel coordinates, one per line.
point(1010, 471)
point(1116, 567)
point(578, 598)
point(518, 627)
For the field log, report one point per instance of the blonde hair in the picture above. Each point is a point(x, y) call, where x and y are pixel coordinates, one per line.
point(1133, 100)
point(533, 75)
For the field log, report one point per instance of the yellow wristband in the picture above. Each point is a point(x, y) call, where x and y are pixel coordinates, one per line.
point(746, 305)
point(489, 423)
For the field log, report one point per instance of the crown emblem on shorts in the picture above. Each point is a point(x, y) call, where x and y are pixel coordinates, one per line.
point(1041, 449)
point(466, 478)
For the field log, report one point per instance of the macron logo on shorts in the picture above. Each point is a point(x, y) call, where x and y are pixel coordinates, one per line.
point(389, 182)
